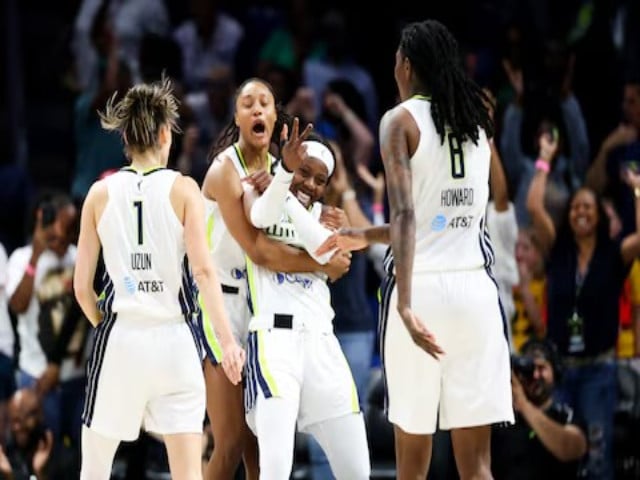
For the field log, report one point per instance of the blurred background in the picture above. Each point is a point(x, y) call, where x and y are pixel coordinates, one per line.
point(573, 64)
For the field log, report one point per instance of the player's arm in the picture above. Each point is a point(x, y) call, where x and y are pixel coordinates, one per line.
point(204, 273)
point(395, 157)
point(221, 183)
point(88, 253)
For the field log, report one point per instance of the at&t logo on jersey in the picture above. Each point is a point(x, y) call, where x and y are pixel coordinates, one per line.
point(130, 285)
point(440, 222)
point(292, 278)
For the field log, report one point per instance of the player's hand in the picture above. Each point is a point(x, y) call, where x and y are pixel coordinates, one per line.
point(422, 337)
point(259, 180)
point(293, 152)
point(233, 358)
point(345, 239)
point(338, 266)
point(547, 146)
point(333, 218)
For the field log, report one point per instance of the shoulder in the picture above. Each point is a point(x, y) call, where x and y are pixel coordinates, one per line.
point(98, 193)
point(397, 117)
point(221, 173)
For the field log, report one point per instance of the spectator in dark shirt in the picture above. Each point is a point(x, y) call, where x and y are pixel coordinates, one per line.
point(544, 442)
point(31, 450)
point(585, 274)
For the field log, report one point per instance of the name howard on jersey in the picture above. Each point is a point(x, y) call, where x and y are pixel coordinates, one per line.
point(456, 197)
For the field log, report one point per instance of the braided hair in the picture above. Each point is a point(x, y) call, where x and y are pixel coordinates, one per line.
point(230, 134)
point(457, 102)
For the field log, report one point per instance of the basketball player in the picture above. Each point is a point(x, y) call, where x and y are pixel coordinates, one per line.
point(145, 368)
point(297, 373)
point(243, 150)
point(445, 353)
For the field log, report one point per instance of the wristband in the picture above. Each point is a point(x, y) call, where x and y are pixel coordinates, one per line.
point(30, 270)
point(348, 195)
point(377, 208)
point(542, 165)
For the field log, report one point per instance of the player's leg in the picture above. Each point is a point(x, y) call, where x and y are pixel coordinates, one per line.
point(183, 450)
point(230, 432)
point(329, 407)
point(274, 378)
point(411, 407)
point(476, 380)
point(413, 454)
point(97, 455)
point(344, 441)
point(472, 450)
point(274, 423)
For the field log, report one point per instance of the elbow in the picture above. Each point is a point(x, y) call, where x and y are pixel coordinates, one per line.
point(202, 274)
point(257, 254)
point(574, 448)
point(404, 214)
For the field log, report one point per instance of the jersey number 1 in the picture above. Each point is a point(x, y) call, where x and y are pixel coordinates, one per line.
point(457, 156)
point(138, 206)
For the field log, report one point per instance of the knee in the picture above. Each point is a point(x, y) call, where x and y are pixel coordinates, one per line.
point(480, 470)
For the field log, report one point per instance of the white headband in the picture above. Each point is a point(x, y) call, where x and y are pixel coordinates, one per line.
point(318, 150)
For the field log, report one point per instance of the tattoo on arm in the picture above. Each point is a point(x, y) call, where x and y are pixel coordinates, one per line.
point(395, 156)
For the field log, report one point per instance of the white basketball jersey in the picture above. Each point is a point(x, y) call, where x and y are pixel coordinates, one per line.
point(227, 254)
point(450, 187)
point(147, 273)
point(305, 296)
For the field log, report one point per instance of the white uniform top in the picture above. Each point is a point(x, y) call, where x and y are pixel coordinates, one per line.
point(143, 248)
point(227, 254)
point(450, 188)
point(305, 296)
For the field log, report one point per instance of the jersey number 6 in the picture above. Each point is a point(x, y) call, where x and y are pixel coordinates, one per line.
point(138, 206)
point(457, 156)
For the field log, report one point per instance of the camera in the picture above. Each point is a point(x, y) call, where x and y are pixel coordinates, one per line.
point(523, 367)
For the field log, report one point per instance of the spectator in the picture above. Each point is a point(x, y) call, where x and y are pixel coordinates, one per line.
point(97, 150)
point(545, 442)
point(568, 168)
point(210, 39)
point(338, 63)
point(128, 20)
point(7, 370)
point(31, 451)
point(51, 329)
point(529, 294)
point(619, 151)
point(586, 271)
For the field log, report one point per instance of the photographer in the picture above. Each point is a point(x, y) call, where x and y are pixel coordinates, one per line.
point(544, 442)
point(31, 451)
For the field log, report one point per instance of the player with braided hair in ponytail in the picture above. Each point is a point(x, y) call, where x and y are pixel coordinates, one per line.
point(444, 348)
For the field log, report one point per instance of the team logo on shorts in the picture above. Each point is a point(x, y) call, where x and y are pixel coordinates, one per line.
point(281, 278)
point(130, 285)
point(439, 223)
point(237, 273)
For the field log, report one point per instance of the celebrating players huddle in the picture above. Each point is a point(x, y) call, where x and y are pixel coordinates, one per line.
point(218, 296)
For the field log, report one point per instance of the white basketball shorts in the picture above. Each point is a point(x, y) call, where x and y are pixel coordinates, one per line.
point(306, 367)
point(144, 375)
point(470, 384)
